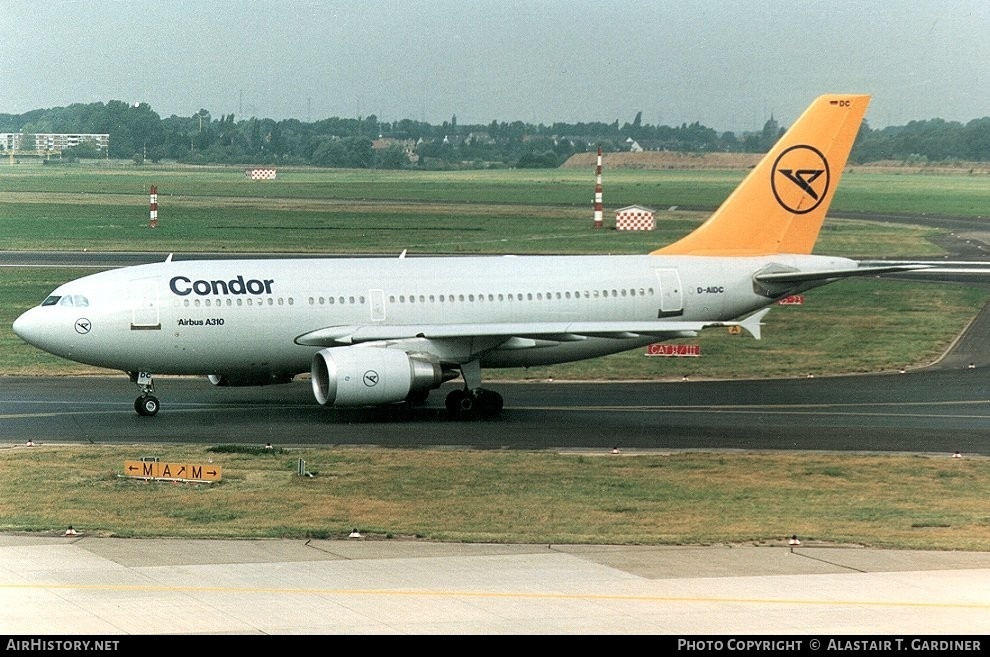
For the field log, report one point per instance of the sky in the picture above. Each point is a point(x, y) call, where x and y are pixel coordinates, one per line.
point(728, 64)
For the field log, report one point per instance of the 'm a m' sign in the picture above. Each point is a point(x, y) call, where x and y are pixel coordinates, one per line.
point(172, 471)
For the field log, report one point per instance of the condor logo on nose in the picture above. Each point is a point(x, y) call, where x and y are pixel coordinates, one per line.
point(184, 286)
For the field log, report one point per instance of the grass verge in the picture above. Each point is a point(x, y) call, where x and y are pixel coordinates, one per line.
point(882, 501)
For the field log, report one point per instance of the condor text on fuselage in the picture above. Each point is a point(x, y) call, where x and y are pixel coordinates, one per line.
point(184, 286)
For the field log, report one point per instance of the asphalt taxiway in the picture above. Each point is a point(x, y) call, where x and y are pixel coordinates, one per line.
point(929, 411)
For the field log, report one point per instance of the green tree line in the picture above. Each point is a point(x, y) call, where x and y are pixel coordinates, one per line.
point(137, 131)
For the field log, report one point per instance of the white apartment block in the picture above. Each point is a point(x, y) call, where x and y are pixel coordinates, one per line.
point(46, 143)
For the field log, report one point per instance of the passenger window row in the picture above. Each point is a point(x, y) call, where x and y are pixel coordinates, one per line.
point(401, 298)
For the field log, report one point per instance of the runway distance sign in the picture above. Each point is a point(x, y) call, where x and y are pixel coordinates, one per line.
point(172, 471)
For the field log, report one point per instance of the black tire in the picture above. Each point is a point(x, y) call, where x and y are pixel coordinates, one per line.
point(488, 404)
point(146, 406)
point(459, 402)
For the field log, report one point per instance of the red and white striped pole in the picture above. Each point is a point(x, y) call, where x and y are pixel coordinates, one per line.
point(598, 190)
point(154, 206)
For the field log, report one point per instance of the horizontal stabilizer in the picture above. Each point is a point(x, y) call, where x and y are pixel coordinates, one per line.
point(976, 269)
point(832, 274)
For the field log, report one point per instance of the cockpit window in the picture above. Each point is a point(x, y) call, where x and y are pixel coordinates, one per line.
point(76, 300)
point(67, 301)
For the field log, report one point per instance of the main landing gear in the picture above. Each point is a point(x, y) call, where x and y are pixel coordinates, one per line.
point(473, 400)
point(483, 403)
point(147, 404)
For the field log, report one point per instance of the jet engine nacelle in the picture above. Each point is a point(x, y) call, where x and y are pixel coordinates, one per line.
point(249, 379)
point(367, 376)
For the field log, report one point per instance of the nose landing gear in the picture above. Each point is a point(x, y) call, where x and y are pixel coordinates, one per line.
point(147, 404)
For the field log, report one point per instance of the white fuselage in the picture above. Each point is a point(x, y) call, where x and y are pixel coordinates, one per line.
point(244, 316)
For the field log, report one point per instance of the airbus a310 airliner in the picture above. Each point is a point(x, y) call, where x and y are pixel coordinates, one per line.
point(377, 331)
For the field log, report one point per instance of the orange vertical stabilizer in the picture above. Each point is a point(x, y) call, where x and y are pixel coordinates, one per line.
point(781, 205)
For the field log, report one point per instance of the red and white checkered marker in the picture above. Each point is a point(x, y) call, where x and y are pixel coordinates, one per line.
point(598, 190)
point(154, 207)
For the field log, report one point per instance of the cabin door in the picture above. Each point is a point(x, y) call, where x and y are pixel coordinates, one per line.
point(671, 295)
point(145, 315)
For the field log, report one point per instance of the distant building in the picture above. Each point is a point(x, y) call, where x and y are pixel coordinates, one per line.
point(634, 146)
point(408, 146)
point(480, 139)
point(635, 217)
point(49, 143)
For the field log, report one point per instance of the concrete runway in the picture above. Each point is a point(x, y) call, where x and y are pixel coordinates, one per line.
point(75, 586)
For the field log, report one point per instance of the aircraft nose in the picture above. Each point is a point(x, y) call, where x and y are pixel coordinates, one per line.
point(29, 327)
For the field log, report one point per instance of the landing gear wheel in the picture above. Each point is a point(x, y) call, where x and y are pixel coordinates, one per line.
point(488, 403)
point(481, 403)
point(459, 402)
point(146, 406)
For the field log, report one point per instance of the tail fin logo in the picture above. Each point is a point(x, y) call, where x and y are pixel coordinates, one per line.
point(800, 179)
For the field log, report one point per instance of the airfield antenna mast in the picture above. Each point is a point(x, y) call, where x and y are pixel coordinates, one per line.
point(598, 190)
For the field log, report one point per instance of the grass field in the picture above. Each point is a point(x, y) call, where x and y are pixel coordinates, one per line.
point(867, 325)
point(891, 501)
point(342, 211)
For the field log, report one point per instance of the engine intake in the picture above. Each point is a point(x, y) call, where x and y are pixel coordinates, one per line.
point(366, 376)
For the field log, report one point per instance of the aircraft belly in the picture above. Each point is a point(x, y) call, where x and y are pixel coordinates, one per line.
point(202, 360)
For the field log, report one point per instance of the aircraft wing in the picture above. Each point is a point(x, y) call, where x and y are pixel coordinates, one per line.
point(545, 331)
